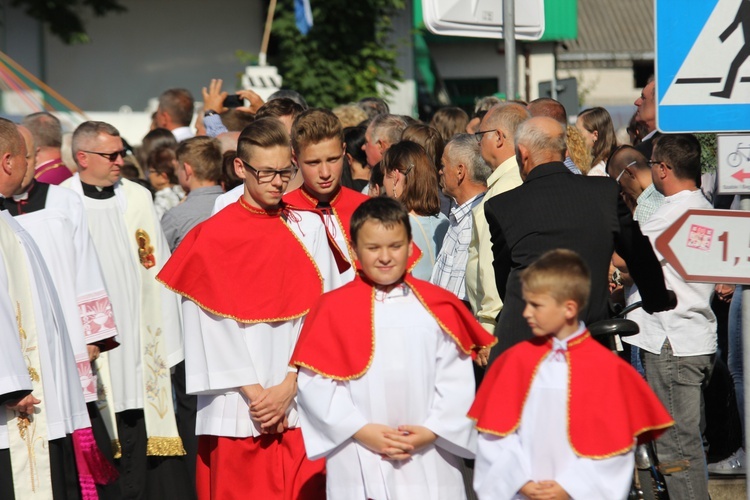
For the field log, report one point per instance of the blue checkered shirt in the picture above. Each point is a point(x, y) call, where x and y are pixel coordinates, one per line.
point(450, 268)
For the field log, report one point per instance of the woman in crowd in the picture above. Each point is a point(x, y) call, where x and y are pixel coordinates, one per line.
point(596, 126)
point(411, 177)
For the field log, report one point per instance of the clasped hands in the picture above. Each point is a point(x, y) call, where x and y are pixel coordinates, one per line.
point(268, 406)
point(544, 490)
point(395, 444)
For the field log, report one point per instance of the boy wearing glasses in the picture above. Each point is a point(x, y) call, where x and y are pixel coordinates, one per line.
point(248, 276)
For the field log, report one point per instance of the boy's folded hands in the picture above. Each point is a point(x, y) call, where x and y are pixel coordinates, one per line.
point(395, 444)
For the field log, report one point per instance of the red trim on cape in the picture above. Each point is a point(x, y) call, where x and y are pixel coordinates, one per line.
point(338, 338)
point(344, 203)
point(246, 264)
point(609, 403)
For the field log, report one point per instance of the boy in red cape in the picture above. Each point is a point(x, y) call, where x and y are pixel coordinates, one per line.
point(559, 415)
point(248, 277)
point(318, 151)
point(385, 373)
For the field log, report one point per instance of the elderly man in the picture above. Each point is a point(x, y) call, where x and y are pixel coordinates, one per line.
point(554, 208)
point(646, 114)
point(47, 133)
point(383, 132)
point(175, 112)
point(632, 171)
point(496, 140)
point(136, 376)
point(463, 177)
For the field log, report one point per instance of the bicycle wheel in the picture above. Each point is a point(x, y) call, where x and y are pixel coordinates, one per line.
point(734, 159)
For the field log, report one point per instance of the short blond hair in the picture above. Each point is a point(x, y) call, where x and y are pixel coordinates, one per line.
point(350, 115)
point(203, 154)
point(561, 274)
point(313, 126)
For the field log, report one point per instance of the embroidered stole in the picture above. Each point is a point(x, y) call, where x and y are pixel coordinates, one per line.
point(27, 434)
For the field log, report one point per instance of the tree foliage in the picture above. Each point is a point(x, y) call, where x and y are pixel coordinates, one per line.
point(63, 17)
point(343, 57)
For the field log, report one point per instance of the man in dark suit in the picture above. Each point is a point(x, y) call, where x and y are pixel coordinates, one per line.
point(554, 208)
point(646, 114)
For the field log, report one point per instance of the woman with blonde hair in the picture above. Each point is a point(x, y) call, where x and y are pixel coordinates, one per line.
point(411, 178)
point(597, 128)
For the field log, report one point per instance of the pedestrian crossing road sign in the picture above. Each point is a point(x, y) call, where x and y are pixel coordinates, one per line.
point(702, 83)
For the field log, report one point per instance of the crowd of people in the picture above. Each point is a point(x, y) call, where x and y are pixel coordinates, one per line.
point(288, 302)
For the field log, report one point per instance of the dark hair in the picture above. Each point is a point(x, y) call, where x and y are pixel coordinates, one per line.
point(682, 152)
point(420, 191)
point(229, 179)
point(598, 120)
point(263, 133)
point(377, 176)
point(449, 122)
point(279, 107)
point(387, 211)
point(161, 160)
point(156, 138)
point(354, 137)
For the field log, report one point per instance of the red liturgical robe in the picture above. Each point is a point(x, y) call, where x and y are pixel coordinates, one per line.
point(251, 251)
point(609, 403)
point(328, 345)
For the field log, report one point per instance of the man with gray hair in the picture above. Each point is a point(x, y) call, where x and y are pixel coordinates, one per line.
point(463, 177)
point(135, 378)
point(175, 112)
point(383, 132)
point(47, 133)
point(495, 137)
point(555, 208)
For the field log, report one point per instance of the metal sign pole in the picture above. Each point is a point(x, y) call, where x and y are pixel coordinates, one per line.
point(745, 205)
point(509, 34)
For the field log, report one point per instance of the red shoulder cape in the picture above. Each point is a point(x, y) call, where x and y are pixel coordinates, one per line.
point(246, 264)
point(343, 206)
point(609, 403)
point(330, 345)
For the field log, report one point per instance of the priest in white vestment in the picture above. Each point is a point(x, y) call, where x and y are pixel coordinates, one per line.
point(134, 378)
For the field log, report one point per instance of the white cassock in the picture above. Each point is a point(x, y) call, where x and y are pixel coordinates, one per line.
point(224, 200)
point(222, 355)
point(61, 233)
point(14, 375)
point(539, 450)
point(65, 407)
point(418, 376)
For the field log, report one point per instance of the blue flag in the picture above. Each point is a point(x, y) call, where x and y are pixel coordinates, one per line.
point(303, 15)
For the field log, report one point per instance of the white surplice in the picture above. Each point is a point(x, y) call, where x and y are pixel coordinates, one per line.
point(222, 355)
point(64, 406)
point(418, 376)
point(61, 233)
point(539, 450)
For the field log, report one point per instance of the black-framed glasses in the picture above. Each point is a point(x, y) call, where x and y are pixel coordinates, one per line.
point(478, 135)
point(268, 175)
point(110, 156)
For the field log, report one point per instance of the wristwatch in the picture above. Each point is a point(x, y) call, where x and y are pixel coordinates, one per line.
point(210, 112)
